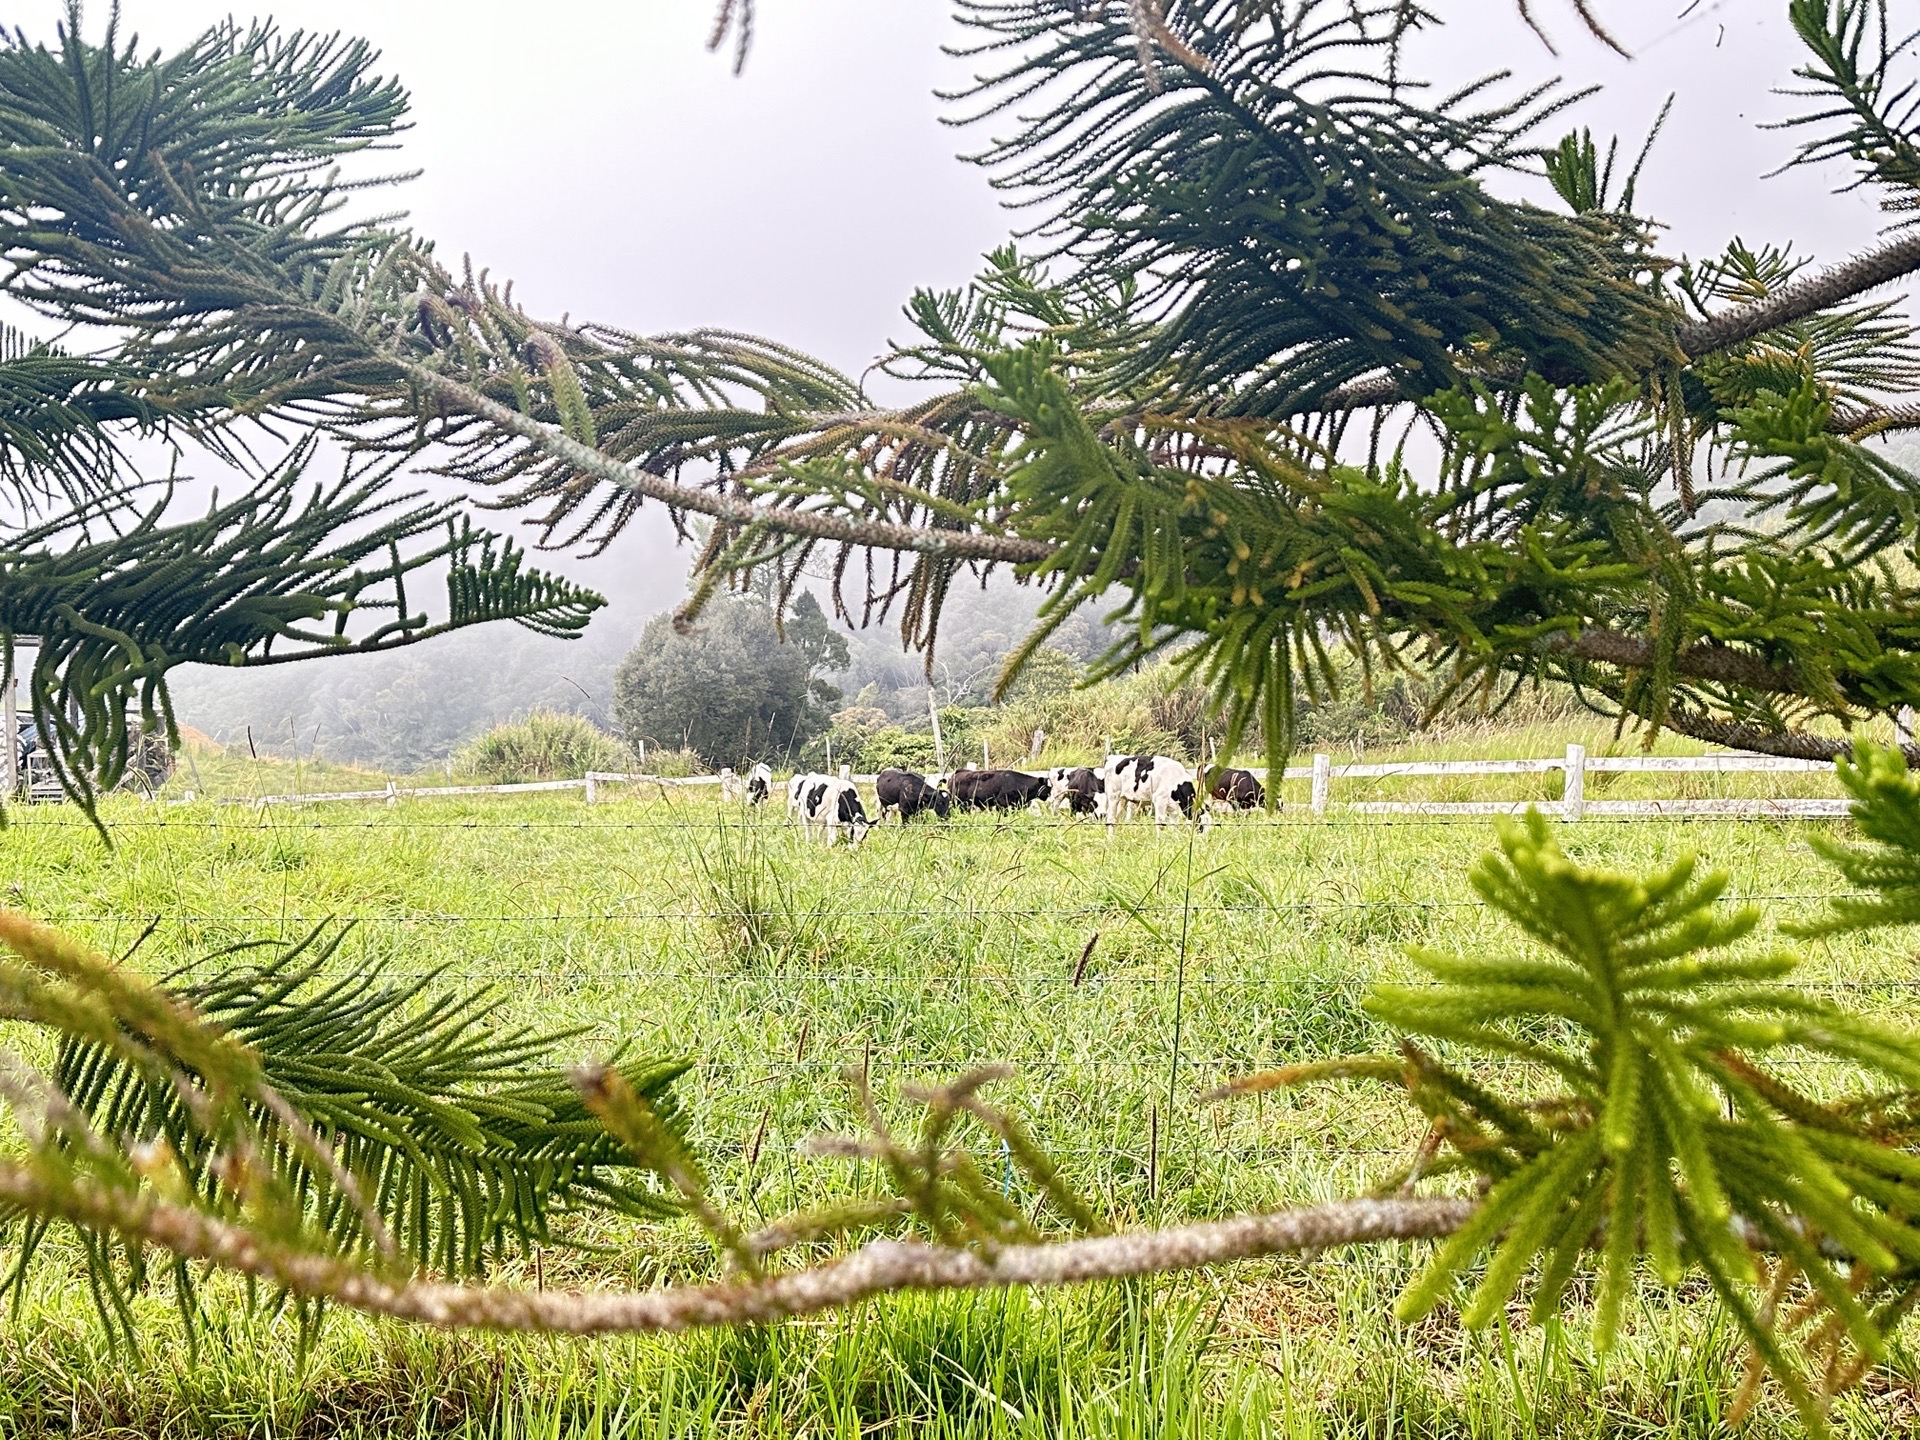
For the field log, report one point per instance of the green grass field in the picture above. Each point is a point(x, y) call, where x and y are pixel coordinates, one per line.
point(692, 930)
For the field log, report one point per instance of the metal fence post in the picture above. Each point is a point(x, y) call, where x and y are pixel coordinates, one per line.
point(1573, 799)
point(1322, 782)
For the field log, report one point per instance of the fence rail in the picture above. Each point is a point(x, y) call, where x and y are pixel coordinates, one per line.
point(1573, 806)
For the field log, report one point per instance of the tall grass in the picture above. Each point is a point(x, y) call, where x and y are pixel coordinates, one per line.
point(544, 745)
point(696, 928)
point(752, 905)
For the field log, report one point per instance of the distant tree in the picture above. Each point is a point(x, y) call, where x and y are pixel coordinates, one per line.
point(825, 648)
point(730, 687)
point(1047, 673)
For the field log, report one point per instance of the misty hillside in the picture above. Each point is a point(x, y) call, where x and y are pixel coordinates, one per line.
point(410, 709)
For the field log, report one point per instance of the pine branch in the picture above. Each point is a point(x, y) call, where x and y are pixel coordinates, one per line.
point(464, 1138)
point(1788, 744)
point(1789, 305)
point(879, 1268)
point(870, 534)
point(266, 578)
point(1860, 422)
point(1802, 298)
point(1704, 661)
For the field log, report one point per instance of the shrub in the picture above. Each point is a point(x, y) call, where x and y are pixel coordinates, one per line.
point(895, 746)
point(673, 764)
point(545, 745)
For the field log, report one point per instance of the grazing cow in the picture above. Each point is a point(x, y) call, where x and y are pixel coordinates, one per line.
point(834, 805)
point(1161, 786)
point(1238, 790)
point(759, 785)
point(1076, 789)
point(909, 793)
point(796, 787)
point(997, 789)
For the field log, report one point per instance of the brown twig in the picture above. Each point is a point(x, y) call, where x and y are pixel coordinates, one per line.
point(880, 1268)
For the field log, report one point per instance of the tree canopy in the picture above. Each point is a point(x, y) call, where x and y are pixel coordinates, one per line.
point(731, 687)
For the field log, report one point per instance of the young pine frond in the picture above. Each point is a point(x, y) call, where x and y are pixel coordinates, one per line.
point(1642, 1120)
point(387, 1127)
point(1886, 870)
point(462, 1138)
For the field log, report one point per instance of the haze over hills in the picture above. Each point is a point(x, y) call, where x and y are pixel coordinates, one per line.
point(410, 709)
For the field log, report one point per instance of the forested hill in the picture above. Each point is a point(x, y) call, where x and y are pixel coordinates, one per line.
point(412, 708)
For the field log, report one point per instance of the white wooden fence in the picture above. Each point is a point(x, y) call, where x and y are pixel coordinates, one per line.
point(1572, 806)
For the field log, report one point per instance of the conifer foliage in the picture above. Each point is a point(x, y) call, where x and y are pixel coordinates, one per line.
point(98, 569)
point(1648, 1037)
point(1267, 252)
point(1278, 250)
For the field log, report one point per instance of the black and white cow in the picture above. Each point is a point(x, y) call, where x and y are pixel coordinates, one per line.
point(796, 787)
point(1076, 789)
point(759, 785)
point(1237, 790)
point(910, 794)
point(834, 805)
point(1161, 786)
point(997, 789)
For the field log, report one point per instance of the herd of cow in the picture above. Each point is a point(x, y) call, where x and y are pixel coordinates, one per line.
point(1127, 784)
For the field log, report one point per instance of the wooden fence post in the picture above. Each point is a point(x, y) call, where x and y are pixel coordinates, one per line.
point(1573, 798)
point(10, 736)
point(593, 791)
point(1903, 726)
point(1322, 782)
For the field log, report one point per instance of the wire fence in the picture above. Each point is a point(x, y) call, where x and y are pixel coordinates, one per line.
point(1573, 804)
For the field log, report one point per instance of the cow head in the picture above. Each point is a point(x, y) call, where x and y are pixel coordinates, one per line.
point(941, 803)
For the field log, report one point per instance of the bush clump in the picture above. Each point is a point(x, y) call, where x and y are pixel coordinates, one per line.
point(545, 745)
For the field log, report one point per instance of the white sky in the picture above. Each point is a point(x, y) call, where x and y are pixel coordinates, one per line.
point(595, 153)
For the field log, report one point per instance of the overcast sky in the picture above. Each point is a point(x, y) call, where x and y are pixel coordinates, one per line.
point(595, 153)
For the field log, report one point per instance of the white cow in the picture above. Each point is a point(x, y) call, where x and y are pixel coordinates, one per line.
point(834, 805)
point(759, 785)
point(795, 787)
point(1161, 786)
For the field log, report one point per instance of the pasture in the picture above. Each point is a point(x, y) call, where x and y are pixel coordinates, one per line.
point(691, 928)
